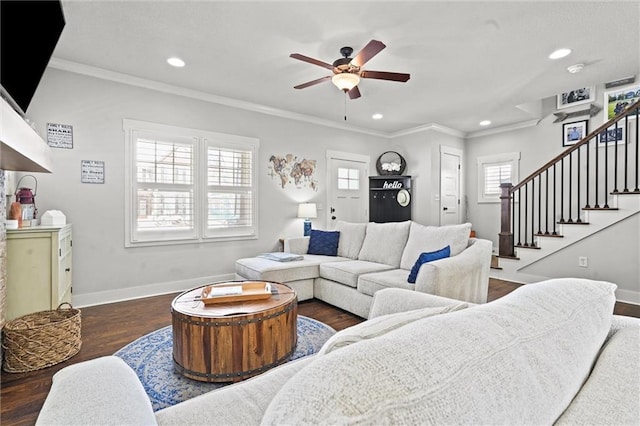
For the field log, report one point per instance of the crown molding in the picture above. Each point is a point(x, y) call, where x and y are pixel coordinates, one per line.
point(502, 129)
point(104, 74)
point(431, 126)
point(101, 73)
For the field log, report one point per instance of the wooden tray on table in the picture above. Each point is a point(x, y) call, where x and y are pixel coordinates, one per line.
point(235, 292)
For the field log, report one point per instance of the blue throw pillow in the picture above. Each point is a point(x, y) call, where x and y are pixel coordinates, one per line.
point(323, 242)
point(427, 257)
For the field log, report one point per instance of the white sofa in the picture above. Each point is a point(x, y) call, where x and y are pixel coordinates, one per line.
point(373, 256)
point(547, 353)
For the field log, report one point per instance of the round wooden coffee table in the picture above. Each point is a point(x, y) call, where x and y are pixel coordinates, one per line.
point(229, 342)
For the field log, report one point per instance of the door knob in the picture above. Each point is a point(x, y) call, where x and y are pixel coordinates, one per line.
point(445, 208)
point(333, 218)
point(333, 210)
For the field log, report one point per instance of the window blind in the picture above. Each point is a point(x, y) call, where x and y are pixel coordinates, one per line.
point(164, 185)
point(494, 175)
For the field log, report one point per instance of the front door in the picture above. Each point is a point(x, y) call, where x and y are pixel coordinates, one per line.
point(347, 188)
point(450, 171)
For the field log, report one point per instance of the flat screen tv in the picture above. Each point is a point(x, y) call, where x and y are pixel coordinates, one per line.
point(29, 32)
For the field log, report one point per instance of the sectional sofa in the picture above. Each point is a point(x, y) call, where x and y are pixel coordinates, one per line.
point(547, 353)
point(367, 257)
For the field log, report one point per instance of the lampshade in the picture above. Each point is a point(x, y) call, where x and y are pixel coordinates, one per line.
point(307, 210)
point(345, 81)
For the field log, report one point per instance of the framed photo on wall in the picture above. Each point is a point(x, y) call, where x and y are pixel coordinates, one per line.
point(617, 100)
point(574, 132)
point(613, 135)
point(583, 95)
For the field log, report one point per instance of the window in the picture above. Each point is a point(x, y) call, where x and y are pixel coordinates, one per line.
point(348, 179)
point(187, 185)
point(494, 170)
point(230, 190)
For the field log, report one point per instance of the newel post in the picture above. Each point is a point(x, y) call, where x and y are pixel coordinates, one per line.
point(505, 247)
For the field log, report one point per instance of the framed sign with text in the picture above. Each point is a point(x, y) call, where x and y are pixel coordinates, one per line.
point(60, 135)
point(92, 171)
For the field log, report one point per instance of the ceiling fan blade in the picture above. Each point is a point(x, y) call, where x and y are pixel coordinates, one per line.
point(311, 83)
point(383, 75)
point(311, 60)
point(369, 51)
point(354, 93)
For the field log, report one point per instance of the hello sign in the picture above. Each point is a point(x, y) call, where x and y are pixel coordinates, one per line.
point(392, 185)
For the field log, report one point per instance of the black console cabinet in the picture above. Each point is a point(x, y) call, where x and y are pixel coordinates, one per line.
point(389, 198)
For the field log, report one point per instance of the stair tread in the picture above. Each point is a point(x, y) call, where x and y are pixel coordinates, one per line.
point(600, 208)
point(550, 235)
point(573, 223)
point(527, 247)
point(625, 192)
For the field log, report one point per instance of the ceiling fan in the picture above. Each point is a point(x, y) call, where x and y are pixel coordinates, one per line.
point(348, 71)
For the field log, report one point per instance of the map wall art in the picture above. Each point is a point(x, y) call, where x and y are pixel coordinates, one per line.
point(293, 172)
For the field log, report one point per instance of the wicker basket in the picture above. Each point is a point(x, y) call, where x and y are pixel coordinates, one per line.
point(42, 339)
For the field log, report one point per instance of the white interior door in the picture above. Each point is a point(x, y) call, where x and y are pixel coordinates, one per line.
point(450, 178)
point(347, 193)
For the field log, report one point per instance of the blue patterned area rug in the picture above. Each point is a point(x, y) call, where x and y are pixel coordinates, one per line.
point(151, 357)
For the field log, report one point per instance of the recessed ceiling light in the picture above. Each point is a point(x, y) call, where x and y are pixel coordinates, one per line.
point(485, 122)
point(175, 62)
point(377, 116)
point(560, 53)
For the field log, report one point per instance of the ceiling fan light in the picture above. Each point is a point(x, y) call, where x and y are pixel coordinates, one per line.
point(345, 81)
point(576, 68)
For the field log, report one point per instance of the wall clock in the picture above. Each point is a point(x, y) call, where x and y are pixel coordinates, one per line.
point(390, 163)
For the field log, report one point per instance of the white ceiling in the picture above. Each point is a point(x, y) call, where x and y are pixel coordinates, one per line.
point(468, 60)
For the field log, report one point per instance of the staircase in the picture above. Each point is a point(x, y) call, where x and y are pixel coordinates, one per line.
point(591, 186)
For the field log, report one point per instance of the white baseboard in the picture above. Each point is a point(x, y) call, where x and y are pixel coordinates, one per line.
point(625, 296)
point(628, 296)
point(119, 295)
point(122, 294)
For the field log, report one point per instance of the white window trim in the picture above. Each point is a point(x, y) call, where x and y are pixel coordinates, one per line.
point(202, 140)
point(513, 157)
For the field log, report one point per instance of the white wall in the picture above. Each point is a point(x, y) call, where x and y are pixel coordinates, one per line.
point(103, 269)
point(422, 152)
point(613, 254)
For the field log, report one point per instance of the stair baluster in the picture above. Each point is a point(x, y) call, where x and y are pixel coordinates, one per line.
point(562, 190)
point(546, 203)
point(615, 159)
point(554, 199)
point(519, 217)
point(586, 206)
point(626, 154)
point(606, 167)
point(570, 220)
point(596, 175)
point(637, 188)
point(578, 220)
point(526, 215)
point(540, 206)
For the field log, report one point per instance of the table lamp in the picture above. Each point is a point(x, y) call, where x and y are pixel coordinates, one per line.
point(307, 211)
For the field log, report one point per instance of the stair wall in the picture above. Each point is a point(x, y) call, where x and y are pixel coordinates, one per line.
point(610, 242)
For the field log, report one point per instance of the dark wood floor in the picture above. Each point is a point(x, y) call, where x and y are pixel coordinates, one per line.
point(107, 328)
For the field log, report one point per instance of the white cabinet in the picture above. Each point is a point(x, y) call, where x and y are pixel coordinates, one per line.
point(38, 269)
